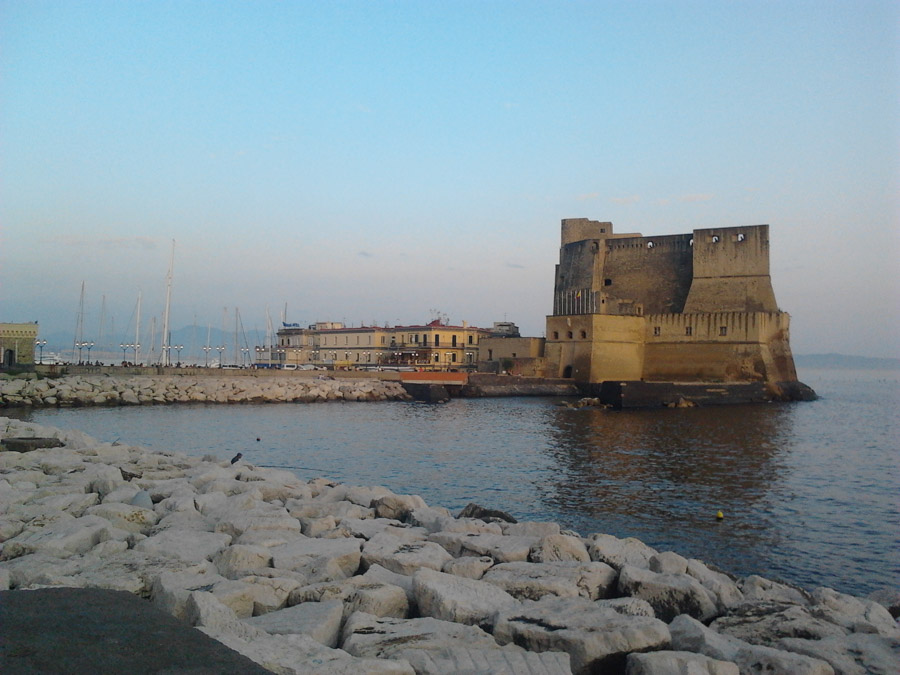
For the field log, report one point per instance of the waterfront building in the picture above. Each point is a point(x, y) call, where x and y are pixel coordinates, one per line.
point(433, 346)
point(17, 344)
point(695, 307)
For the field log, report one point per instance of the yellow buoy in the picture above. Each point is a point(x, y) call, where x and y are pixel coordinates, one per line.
point(720, 515)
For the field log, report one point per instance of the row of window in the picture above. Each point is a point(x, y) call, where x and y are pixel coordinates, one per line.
point(413, 339)
point(689, 330)
point(657, 331)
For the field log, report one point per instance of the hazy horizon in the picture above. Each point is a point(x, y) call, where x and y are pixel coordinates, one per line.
point(386, 163)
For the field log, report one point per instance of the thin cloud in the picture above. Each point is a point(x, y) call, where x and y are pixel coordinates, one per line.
point(633, 199)
point(106, 243)
point(516, 266)
point(588, 195)
point(365, 254)
point(703, 197)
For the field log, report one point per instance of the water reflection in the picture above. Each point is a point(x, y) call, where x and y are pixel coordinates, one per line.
point(662, 475)
point(808, 490)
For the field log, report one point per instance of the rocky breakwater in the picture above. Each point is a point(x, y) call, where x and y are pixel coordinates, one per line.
point(82, 390)
point(318, 577)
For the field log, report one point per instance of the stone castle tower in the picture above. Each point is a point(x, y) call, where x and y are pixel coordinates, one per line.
point(689, 308)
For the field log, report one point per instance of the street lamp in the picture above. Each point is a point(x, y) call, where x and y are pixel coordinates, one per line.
point(136, 346)
point(221, 350)
point(207, 349)
point(124, 347)
point(178, 349)
point(40, 345)
point(80, 346)
point(89, 345)
point(244, 358)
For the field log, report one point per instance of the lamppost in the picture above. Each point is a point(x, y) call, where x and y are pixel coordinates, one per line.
point(178, 349)
point(124, 347)
point(80, 346)
point(89, 345)
point(207, 349)
point(244, 358)
point(221, 350)
point(40, 345)
point(135, 346)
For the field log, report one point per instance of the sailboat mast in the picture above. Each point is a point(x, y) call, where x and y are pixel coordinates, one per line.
point(165, 337)
point(137, 333)
point(100, 345)
point(79, 323)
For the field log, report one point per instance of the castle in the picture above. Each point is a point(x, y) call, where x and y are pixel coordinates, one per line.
point(685, 308)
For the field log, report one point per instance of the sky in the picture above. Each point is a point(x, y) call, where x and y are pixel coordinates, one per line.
point(392, 162)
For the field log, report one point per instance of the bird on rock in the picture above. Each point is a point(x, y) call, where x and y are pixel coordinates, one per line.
point(236, 458)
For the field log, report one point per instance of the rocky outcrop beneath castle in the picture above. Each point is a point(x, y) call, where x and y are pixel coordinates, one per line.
point(82, 390)
point(318, 577)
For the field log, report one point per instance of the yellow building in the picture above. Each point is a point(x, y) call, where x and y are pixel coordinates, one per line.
point(433, 346)
point(17, 344)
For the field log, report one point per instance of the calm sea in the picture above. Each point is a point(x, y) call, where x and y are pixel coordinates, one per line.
point(809, 490)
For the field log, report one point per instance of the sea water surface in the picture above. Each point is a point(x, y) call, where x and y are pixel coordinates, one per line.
point(809, 490)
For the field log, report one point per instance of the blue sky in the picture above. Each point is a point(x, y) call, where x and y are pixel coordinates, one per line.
point(378, 161)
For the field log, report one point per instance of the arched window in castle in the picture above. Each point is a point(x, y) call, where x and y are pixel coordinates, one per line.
point(691, 242)
point(715, 239)
point(569, 335)
point(650, 244)
point(656, 330)
point(583, 334)
point(741, 237)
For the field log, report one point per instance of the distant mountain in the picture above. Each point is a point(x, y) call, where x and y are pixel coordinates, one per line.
point(845, 361)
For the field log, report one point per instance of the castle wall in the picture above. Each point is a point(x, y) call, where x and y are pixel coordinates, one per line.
point(721, 347)
point(595, 347)
point(579, 229)
point(731, 271)
point(653, 272)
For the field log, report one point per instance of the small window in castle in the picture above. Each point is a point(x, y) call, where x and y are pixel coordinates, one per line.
point(569, 335)
point(514, 355)
point(691, 242)
point(594, 247)
point(688, 330)
point(741, 237)
point(656, 330)
point(650, 244)
point(715, 239)
point(723, 330)
point(607, 282)
point(556, 335)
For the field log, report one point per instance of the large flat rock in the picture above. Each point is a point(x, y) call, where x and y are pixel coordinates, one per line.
point(90, 631)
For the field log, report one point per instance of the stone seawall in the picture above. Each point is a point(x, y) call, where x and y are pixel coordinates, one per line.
point(311, 576)
point(86, 390)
